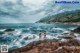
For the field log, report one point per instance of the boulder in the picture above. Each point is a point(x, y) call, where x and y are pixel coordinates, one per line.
point(69, 35)
point(8, 30)
point(70, 42)
point(69, 46)
point(77, 30)
point(60, 50)
point(1, 32)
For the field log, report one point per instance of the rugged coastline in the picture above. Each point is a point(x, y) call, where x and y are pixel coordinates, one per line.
point(70, 17)
point(67, 43)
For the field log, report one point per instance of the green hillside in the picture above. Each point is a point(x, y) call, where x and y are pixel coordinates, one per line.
point(65, 17)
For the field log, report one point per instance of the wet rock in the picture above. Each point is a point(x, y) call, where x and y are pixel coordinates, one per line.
point(49, 46)
point(1, 32)
point(67, 37)
point(20, 36)
point(13, 48)
point(8, 30)
point(26, 38)
point(77, 30)
point(70, 35)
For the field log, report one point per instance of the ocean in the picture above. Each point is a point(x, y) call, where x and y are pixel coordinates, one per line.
point(29, 32)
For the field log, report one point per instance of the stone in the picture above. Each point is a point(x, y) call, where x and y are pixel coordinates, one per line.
point(77, 30)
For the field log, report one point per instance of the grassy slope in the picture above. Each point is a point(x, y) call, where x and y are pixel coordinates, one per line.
point(68, 16)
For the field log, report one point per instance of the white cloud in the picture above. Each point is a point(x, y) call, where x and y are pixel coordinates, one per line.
point(34, 2)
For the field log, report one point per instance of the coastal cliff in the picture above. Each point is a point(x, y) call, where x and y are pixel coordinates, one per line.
point(65, 17)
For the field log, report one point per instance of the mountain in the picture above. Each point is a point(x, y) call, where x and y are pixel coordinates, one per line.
point(64, 17)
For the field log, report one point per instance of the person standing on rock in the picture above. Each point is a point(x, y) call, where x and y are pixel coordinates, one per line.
point(44, 35)
point(34, 37)
point(40, 35)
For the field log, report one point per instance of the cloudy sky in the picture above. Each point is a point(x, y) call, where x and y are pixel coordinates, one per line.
point(30, 11)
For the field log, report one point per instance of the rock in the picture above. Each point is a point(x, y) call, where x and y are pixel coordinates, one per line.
point(69, 35)
point(49, 46)
point(77, 49)
point(8, 30)
point(77, 30)
point(68, 48)
point(70, 42)
point(60, 50)
point(1, 32)
point(26, 38)
point(54, 46)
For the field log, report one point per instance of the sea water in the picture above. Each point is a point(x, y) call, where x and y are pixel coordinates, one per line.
point(26, 32)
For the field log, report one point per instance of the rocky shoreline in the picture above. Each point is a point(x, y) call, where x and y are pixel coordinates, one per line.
point(65, 44)
point(75, 23)
point(69, 46)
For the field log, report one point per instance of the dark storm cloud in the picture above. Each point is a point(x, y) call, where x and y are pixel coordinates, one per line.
point(18, 12)
point(7, 8)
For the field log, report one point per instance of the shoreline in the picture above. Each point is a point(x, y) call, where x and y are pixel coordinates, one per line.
point(78, 23)
point(51, 46)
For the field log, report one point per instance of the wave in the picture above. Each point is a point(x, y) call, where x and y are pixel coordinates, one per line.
point(25, 35)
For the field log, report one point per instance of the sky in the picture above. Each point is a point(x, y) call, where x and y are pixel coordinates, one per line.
point(30, 11)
